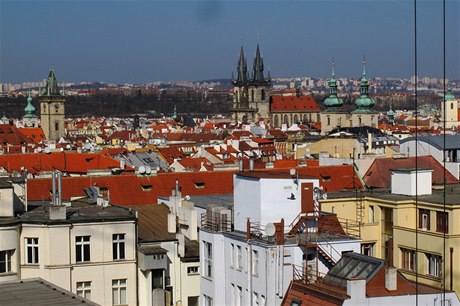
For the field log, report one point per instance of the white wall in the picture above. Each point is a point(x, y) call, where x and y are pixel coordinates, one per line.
point(57, 261)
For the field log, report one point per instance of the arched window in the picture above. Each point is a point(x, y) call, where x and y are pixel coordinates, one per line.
point(305, 119)
point(451, 105)
point(328, 121)
point(286, 119)
point(237, 96)
point(252, 95)
point(296, 119)
point(276, 121)
point(262, 95)
point(56, 126)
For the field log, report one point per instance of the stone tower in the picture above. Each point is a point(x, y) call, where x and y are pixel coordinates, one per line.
point(251, 100)
point(52, 104)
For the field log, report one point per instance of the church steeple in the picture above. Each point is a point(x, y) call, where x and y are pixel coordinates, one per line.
point(258, 67)
point(333, 100)
point(364, 101)
point(29, 109)
point(242, 67)
point(51, 88)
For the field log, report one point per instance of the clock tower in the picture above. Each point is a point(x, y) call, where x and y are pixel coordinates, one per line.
point(52, 109)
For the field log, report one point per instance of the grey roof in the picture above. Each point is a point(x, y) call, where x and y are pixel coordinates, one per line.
point(38, 292)
point(80, 212)
point(225, 200)
point(151, 250)
point(452, 195)
point(151, 159)
point(437, 141)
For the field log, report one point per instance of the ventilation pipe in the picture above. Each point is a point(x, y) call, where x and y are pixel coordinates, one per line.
point(53, 191)
point(251, 164)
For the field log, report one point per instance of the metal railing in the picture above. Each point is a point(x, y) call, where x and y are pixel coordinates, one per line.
point(351, 227)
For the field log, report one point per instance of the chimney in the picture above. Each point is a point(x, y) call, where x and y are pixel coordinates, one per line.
point(391, 278)
point(369, 143)
point(57, 212)
point(59, 183)
point(251, 164)
point(53, 191)
point(241, 165)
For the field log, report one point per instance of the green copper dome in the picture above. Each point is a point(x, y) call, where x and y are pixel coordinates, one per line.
point(450, 96)
point(333, 100)
point(364, 101)
point(4, 118)
point(390, 112)
point(29, 109)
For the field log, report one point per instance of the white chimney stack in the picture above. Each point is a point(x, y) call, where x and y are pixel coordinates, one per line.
point(391, 278)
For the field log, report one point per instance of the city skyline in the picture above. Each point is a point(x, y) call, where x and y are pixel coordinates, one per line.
point(140, 41)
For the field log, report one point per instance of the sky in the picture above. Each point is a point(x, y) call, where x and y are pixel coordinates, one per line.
point(146, 41)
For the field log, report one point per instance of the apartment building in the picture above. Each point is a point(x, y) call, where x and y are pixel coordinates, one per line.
point(247, 254)
point(83, 247)
point(418, 235)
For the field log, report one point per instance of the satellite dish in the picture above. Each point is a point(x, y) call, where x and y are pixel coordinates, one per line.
point(324, 196)
point(142, 169)
point(148, 170)
point(270, 229)
point(292, 172)
point(187, 198)
point(61, 149)
point(39, 149)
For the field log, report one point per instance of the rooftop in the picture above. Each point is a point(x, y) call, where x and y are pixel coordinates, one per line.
point(37, 292)
point(437, 197)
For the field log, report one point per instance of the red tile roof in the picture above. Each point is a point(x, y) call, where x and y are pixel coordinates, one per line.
point(76, 163)
point(10, 134)
point(170, 153)
point(36, 134)
point(134, 190)
point(293, 103)
point(379, 173)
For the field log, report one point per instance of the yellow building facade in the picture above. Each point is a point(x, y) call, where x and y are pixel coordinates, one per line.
point(418, 237)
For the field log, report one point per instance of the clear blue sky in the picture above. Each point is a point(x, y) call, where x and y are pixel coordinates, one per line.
point(142, 41)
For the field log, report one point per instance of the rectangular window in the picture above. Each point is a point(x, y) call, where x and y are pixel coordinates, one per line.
point(239, 257)
point(239, 296)
point(424, 219)
point(233, 294)
point(192, 270)
point(408, 259)
point(207, 252)
point(433, 265)
point(32, 251)
point(5, 261)
point(442, 221)
point(119, 292)
point(255, 299)
point(232, 255)
point(371, 218)
point(82, 252)
point(118, 246)
point(207, 300)
point(367, 249)
point(255, 263)
point(84, 289)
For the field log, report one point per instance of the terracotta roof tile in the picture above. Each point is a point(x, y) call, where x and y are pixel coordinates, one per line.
point(293, 103)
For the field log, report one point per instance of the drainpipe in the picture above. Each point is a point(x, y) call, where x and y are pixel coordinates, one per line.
point(53, 178)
